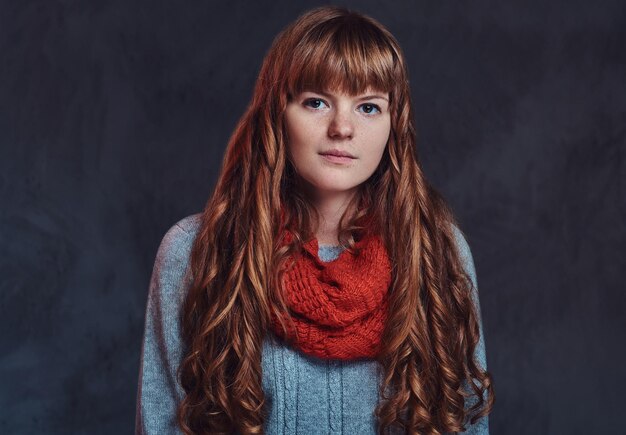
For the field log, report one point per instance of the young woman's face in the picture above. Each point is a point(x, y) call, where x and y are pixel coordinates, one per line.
point(319, 122)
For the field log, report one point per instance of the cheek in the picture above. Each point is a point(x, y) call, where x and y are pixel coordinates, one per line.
point(378, 139)
point(379, 135)
point(299, 143)
point(298, 133)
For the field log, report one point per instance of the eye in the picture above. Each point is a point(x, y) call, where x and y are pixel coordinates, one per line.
point(314, 103)
point(369, 108)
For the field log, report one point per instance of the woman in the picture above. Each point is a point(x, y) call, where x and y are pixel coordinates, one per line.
point(318, 293)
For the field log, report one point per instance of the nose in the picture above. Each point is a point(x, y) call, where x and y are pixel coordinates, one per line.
point(341, 125)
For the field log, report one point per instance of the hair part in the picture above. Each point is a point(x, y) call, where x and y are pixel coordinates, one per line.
point(237, 258)
point(345, 55)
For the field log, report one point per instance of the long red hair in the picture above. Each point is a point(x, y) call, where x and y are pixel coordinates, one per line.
point(428, 358)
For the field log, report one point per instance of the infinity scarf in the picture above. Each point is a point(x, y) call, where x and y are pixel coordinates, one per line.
point(339, 308)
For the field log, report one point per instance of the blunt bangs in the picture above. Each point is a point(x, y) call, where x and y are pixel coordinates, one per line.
point(345, 55)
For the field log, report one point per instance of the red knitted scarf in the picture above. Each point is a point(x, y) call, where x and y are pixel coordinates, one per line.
point(339, 308)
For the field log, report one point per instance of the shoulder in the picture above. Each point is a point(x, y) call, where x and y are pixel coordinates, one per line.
point(461, 243)
point(173, 253)
point(181, 234)
point(189, 224)
point(465, 253)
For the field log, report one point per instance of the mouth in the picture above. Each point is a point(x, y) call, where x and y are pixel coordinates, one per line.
point(337, 159)
point(337, 153)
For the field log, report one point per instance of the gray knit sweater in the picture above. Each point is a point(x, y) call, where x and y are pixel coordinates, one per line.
point(305, 395)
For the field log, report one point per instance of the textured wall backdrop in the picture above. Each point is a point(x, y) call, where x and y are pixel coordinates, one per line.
point(113, 119)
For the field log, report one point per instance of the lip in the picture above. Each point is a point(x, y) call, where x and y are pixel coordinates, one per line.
point(342, 160)
point(338, 153)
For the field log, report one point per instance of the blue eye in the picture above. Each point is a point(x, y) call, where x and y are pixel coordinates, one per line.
point(370, 107)
point(313, 102)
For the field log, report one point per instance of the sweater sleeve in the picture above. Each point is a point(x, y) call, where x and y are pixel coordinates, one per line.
point(159, 392)
point(481, 427)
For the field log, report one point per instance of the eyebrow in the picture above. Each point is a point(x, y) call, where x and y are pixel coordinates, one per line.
point(366, 97)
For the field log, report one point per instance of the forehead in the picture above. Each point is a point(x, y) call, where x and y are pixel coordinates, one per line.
point(338, 85)
point(341, 71)
point(369, 91)
point(344, 90)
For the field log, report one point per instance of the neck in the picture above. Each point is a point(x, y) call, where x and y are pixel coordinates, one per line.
point(330, 209)
point(330, 206)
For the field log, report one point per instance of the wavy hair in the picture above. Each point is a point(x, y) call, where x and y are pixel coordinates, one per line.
point(237, 259)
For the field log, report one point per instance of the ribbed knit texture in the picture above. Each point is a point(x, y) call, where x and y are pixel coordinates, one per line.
point(340, 306)
point(304, 394)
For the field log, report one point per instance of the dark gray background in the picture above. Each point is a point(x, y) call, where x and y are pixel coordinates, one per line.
point(113, 121)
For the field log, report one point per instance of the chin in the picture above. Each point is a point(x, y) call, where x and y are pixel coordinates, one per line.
point(336, 188)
